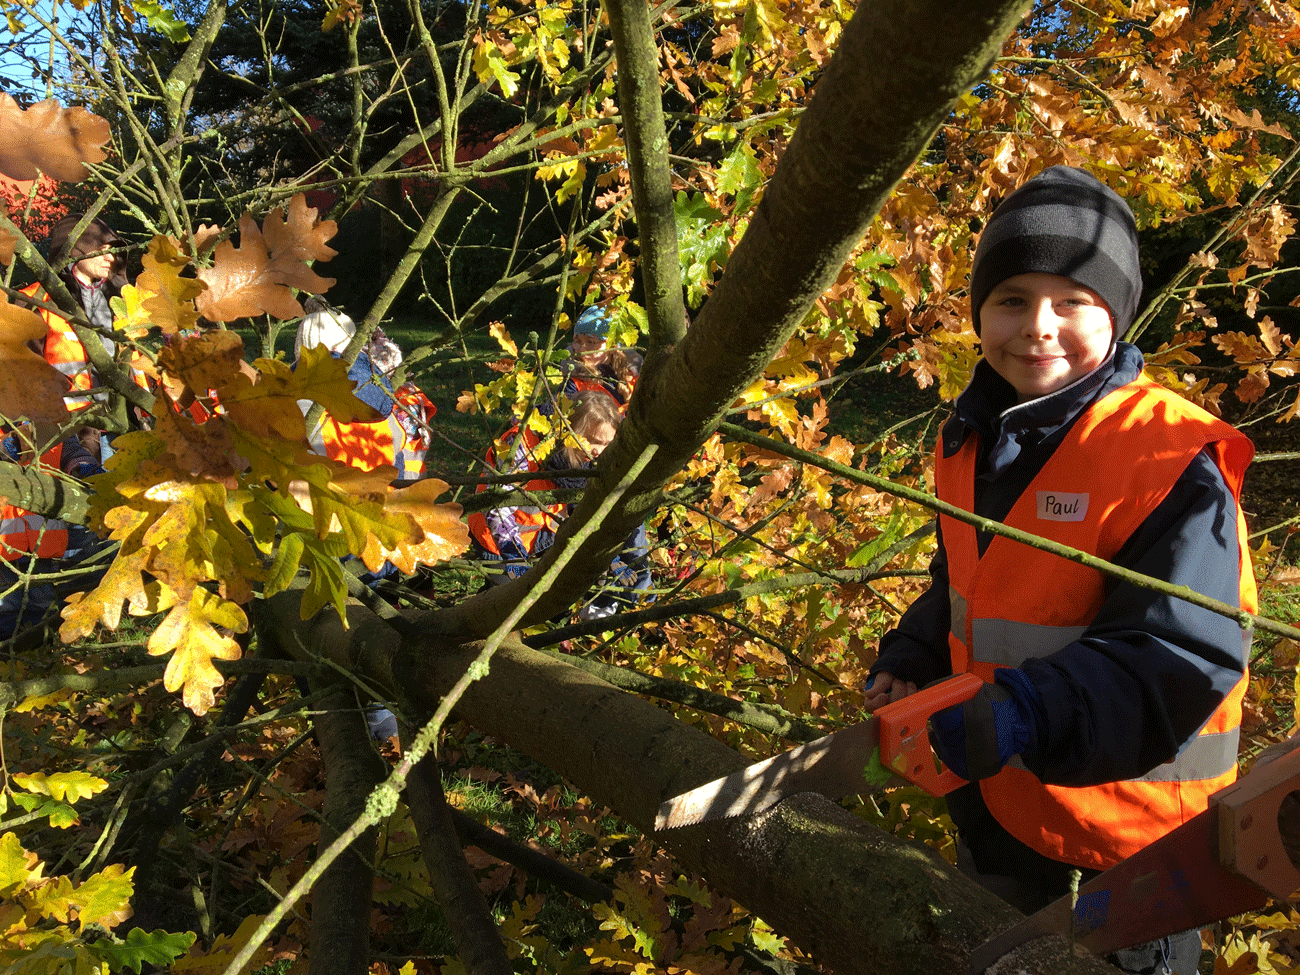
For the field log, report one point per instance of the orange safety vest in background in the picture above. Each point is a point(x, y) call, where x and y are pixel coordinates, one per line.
point(1115, 466)
point(64, 351)
point(25, 533)
point(537, 526)
point(364, 446)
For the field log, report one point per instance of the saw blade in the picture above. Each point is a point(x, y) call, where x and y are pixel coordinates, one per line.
point(832, 766)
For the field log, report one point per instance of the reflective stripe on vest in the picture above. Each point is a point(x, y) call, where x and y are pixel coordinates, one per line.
point(24, 533)
point(996, 623)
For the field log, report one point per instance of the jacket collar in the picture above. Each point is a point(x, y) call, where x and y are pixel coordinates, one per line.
point(987, 407)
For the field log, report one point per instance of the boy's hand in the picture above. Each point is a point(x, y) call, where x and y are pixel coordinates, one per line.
point(977, 738)
point(883, 688)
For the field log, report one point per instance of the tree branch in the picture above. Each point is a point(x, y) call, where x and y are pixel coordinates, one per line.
point(477, 939)
point(641, 105)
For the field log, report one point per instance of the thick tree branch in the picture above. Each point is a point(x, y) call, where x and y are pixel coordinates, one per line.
point(817, 874)
point(51, 495)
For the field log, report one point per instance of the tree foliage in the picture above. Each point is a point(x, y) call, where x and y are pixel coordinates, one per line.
point(614, 158)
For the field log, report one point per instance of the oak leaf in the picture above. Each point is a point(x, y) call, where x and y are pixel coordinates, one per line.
point(7, 244)
point(64, 786)
point(256, 277)
point(340, 12)
point(131, 313)
point(196, 632)
point(204, 362)
point(105, 897)
point(50, 139)
point(171, 302)
point(123, 582)
point(29, 386)
point(444, 533)
point(200, 450)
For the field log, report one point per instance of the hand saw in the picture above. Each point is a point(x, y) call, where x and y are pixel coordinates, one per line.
point(834, 765)
point(1223, 862)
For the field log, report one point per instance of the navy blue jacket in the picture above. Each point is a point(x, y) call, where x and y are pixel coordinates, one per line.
point(1150, 669)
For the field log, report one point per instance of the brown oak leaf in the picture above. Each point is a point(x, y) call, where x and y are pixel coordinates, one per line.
point(256, 277)
point(48, 138)
point(205, 361)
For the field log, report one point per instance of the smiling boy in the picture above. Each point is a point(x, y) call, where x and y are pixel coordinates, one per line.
point(1110, 712)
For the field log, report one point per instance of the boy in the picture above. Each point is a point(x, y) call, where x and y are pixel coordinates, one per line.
point(1110, 712)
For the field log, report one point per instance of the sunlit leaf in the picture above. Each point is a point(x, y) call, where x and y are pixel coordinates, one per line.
point(50, 139)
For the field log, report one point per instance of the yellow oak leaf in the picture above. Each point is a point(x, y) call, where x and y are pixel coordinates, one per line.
point(324, 379)
point(498, 331)
point(361, 523)
point(50, 139)
point(196, 632)
point(105, 898)
point(131, 314)
point(64, 786)
point(18, 868)
point(29, 386)
point(445, 535)
point(269, 409)
point(279, 461)
point(7, 244)
point(122, 582)
point(171, 301)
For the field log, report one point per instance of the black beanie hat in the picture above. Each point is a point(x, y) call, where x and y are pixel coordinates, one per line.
point(1063, 221)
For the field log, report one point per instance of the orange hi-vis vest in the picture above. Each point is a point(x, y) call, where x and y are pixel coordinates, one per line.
point(64, 351)
point(25, 533)
point(537, 526)
point(1116, 464)
point(364, 446)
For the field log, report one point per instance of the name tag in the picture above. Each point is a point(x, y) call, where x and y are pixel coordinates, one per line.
point(1060, 506)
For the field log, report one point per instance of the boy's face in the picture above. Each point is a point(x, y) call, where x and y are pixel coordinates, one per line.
point(1041, 332)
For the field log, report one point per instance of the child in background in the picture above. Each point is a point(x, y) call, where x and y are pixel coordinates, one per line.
point(1111, 712)
point(590, 333)
point(513, 535)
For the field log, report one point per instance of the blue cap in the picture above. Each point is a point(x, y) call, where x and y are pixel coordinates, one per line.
point(592, 321)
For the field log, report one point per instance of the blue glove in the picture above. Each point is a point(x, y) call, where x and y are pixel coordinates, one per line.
point(977, 738)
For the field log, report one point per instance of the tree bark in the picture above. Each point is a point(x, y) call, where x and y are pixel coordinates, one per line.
point(859, 900)
point(477, 938)
point(343, 897)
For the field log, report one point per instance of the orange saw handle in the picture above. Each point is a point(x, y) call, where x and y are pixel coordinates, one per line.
point(905, 741)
